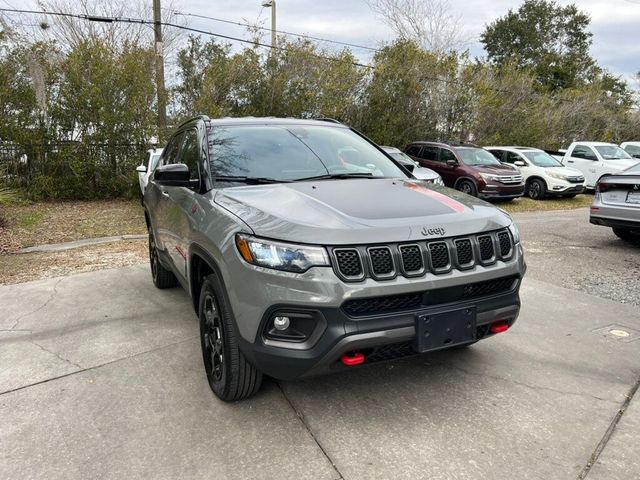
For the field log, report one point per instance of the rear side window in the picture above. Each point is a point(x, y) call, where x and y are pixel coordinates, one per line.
point(414, 150)
point(498, 154)
point(190, 153)
point(511, 157)
point(430, 153)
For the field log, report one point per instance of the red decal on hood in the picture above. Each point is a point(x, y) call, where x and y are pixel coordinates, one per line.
point(448, 201)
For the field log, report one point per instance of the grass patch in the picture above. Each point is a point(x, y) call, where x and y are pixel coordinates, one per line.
point(525, 204)
point(43, 223)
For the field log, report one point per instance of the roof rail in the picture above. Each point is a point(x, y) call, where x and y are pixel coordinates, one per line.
point(198, 117)
point(460, 144)
point(327, 119)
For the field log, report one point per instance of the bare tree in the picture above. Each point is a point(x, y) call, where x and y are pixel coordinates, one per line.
point(431, 23)
point(71, 31)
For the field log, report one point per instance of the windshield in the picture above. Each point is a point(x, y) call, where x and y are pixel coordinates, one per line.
point(612, 152)
point(477, 156)
point(542, 159)
point(403, 158)
point(294, 152)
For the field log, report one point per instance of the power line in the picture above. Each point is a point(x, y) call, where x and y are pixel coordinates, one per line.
point(283, 32)
point(99, 18)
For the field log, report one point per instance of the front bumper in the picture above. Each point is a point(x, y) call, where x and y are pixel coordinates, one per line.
point(565, 188)
point(321, 292)
point(379, 337)
point(498, 191)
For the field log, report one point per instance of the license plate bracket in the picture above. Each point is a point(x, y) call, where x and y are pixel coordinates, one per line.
point(633, 197)
point(435, 331)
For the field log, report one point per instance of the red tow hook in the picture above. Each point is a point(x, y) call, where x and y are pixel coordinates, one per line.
point(352, 358)
point(499, 326)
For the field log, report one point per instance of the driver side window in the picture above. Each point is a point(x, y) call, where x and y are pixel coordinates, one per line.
point(446, 155)
point(583, 152)
point(512, 157)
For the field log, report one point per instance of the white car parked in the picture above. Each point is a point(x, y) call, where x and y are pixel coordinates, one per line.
point(543, 175)
point(632, 148)
point(147, 167)
point(597, 159)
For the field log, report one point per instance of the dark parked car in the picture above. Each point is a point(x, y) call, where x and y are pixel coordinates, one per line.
point(469, 168)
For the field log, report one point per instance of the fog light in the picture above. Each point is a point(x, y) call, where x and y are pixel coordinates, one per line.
point(281, 323)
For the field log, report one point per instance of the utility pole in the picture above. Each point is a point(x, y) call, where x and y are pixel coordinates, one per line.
point(272, 4)
point(162, 98)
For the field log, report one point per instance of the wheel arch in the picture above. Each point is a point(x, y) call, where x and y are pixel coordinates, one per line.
point(201, 264)
point(470, 179)
point(537, 177)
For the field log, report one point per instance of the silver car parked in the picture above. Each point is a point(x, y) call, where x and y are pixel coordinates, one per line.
point(617, 203)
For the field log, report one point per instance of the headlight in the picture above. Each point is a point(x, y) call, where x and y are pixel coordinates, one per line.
point(281, 256)
point(490, 178)
point(514, 233)
point(557, 175)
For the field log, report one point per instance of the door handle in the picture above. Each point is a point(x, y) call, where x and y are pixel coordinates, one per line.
point(569, 161)
point(164, 192)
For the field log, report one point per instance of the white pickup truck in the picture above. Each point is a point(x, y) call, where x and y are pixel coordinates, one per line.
point(596, 160)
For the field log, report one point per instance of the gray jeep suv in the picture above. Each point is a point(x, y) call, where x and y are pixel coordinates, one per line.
point(307, 249)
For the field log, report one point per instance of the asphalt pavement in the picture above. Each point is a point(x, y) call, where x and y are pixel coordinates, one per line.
point(101, 377)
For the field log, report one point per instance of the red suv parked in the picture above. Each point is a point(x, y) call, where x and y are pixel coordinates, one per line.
point(469, 168)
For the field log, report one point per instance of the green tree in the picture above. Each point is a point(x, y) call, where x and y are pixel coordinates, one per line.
point(550, 39)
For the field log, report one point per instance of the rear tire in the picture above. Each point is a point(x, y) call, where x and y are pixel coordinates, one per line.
point(162, 278)
point(536, 189)
point(231, 377)
point(468, 187)
point(626, 234)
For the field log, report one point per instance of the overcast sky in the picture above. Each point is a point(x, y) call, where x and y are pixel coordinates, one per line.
point(615, 23)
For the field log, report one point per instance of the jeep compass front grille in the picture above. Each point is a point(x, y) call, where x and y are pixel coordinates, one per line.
point(384, 262)
point(487, 251)
point(349, 263)
point(381, 261)
point(412, 261)
point(439, 254)
point(505, 244)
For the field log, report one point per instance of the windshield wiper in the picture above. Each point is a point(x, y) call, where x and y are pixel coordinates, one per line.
point(331, 176)
point(249, 180)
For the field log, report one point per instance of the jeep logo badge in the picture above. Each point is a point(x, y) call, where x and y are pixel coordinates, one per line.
point(428, 232)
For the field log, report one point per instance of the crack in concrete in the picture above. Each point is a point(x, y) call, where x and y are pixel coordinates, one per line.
point(95, 367)
point(609, 432)
point(47, 301)
point(522, 384)
point(303, 420)
point(56, 355)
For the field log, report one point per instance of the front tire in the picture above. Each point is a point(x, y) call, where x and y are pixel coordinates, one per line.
point(468, 187)
point(162, 278)
point(231, 377)
point(536, 189)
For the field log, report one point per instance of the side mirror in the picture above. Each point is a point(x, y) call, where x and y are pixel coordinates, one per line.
point(141, 169)
point(173, 175)
point(519, 163)
point(452, 163)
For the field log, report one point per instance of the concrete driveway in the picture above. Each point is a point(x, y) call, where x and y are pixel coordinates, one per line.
point(101, 377)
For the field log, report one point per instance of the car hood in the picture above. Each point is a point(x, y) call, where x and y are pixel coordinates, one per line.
point(358, 211)
point(422, 173)
point(622, 164)
point(501, 169)
point(569, 172)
